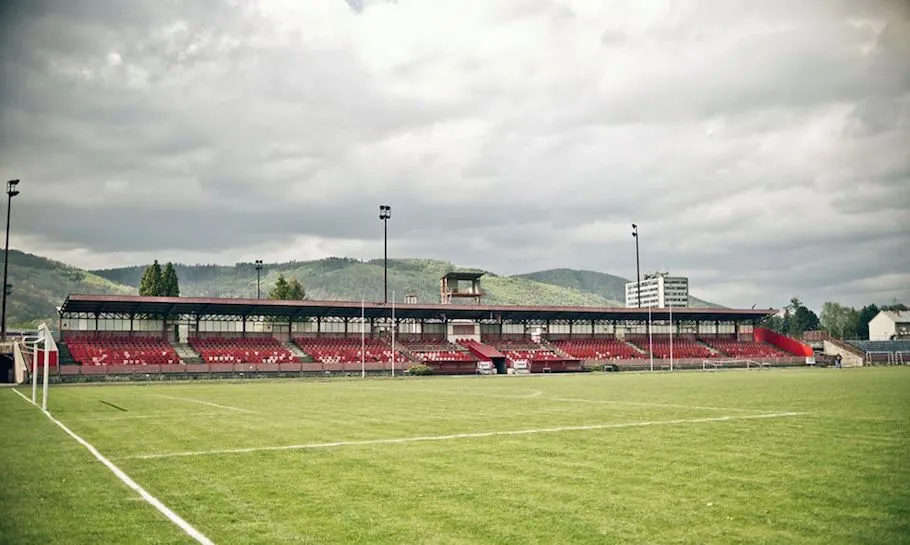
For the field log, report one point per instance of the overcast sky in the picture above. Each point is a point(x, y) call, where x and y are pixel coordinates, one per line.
point(763, 147)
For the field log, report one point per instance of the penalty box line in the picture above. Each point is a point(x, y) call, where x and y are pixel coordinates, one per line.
point(128, 481)
point(449, 437)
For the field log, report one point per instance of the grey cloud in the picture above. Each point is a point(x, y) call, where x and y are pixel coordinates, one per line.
point(762, 147)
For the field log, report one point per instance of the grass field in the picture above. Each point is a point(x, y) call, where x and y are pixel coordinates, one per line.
point(782, 456)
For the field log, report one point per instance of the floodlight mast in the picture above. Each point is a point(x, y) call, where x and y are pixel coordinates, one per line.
point(637, 265)
point(258, 278)
point(11, 191)
point(385, 212)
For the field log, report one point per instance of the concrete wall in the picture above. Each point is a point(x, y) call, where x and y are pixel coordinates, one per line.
point(849, 358)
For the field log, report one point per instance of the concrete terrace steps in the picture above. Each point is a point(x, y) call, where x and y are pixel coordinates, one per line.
point(186, 353)
point(300, 354)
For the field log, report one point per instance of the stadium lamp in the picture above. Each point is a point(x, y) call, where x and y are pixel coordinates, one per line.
point(258, 278)
point(637, 265)
point(385, 212)
point(11, 191)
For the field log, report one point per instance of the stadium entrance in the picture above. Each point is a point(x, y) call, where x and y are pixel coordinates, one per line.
point(6, 368)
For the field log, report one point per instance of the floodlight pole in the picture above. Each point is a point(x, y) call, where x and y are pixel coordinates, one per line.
point(650, 339)
point(671, 332)
point(385, 212)
point(363, 326)
point(637, 264)
point(393, 333)
point(258, 278)
point(11, 192)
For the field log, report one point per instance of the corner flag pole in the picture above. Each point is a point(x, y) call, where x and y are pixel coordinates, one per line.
point(363, 326)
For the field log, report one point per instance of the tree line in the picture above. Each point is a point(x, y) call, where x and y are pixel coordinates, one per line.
point(837, 320)
point(160, 283)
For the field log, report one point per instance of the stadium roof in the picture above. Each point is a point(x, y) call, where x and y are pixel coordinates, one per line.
point(463, 275)
point(127, 305)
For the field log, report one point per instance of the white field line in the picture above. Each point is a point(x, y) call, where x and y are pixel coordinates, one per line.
point(155, 502)
point(209, 403)
point(538, 394)
point(649, 404)
point(114, 418)
point(400, 440)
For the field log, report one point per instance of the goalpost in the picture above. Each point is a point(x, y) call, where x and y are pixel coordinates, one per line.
point(732, 363)
point(36, 346)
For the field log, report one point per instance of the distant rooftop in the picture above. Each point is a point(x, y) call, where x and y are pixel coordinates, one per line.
point(898, 316)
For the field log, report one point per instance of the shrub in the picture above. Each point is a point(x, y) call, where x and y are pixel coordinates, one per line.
point(420, 370)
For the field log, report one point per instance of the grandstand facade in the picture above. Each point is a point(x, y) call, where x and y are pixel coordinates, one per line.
point(103, 335)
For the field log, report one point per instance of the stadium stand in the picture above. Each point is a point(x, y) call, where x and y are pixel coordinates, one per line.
point(105, 349)
point(597, 348)
point(241, 350)
point(434, 349)
point(883, 352)
point(737, 348)
point(522, 348)
point(683, 347)
point(347, 349)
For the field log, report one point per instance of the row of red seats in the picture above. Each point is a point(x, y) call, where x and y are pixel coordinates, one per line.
point(660, 346)
point(145, 351)
point(531, 355)
point(242, 350)
point(435, 349)
point(597, 348)
point(745, 349)
point(347, 350)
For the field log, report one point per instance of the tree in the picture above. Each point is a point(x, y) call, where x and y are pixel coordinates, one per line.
point(150, 285)
point(286, 291)
point(296, 291)
point(865, 316)
point(280, 289)
point(803, 320)
point(839, 321)
point(170, 284)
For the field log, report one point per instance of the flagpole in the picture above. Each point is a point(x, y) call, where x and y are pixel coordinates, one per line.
point(393, 333)
point(650, 338)
point(363, 326)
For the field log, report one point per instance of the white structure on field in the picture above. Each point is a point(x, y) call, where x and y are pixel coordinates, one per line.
point(659, 290)
point(889, 325)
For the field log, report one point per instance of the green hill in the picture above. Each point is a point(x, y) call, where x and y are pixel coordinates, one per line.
point(608, 286)
point(40, 285)
point(349, 279)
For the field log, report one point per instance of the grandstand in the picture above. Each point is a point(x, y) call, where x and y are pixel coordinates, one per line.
point(883, 352)
point(217, 337)
point(220, 349)
point(96, 348)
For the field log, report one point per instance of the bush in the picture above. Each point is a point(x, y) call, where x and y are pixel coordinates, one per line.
point(420, 370)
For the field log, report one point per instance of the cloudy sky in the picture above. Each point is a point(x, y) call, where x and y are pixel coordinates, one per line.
point(763, 146)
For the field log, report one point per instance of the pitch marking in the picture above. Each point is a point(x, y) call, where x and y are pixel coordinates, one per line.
point(648, 404)
point(210, 404)
point(155, 502)
point(113, 418)
point(463, 436)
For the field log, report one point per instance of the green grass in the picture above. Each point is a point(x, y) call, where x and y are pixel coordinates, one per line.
point(837, 474)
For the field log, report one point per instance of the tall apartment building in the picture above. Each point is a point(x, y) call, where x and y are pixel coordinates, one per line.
point(659, 290)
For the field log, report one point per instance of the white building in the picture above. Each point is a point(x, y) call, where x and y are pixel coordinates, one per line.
point(889, 325)
point(659, 290)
